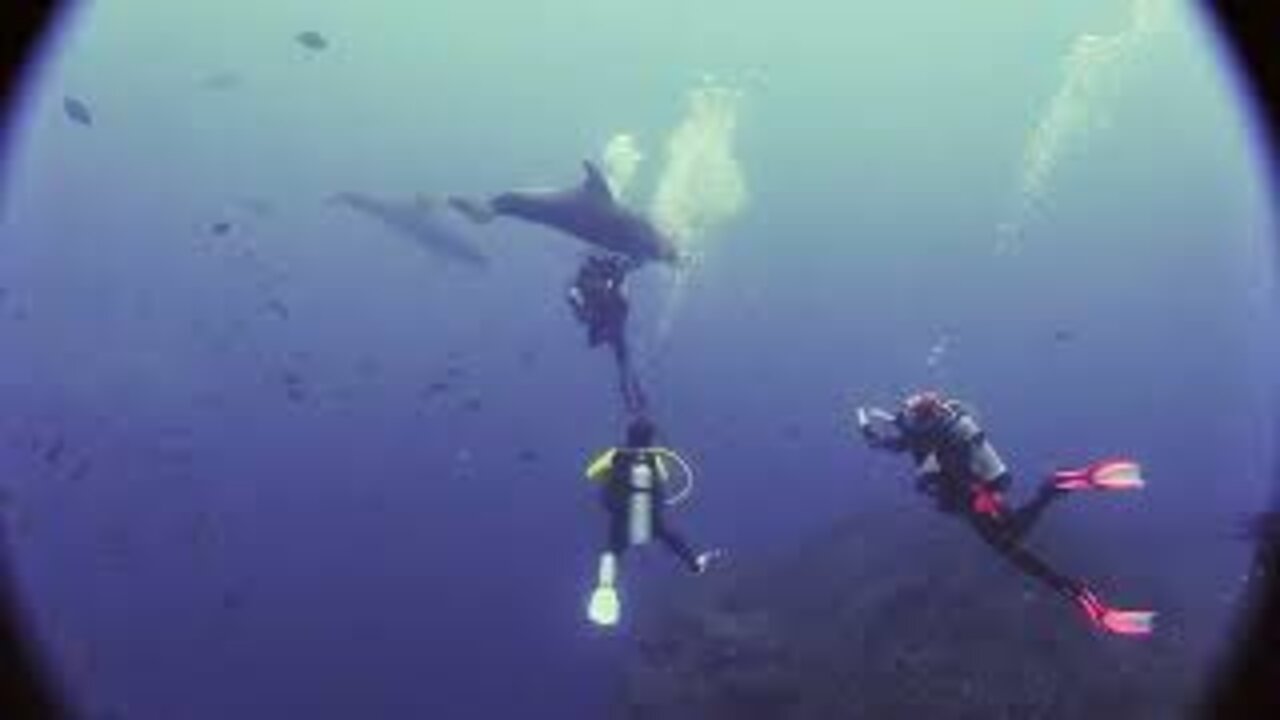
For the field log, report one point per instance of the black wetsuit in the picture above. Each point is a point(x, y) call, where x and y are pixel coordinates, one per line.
point(598, 302)
point(616, 497)
point(956, 490)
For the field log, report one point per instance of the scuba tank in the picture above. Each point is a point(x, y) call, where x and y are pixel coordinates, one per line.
point(959, 445)
point(640, 504)
point(963, 433)
point(637, 472)
point(641, 471)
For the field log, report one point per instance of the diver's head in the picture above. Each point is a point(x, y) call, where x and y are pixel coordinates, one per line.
point(924, 408)
point(641, 432)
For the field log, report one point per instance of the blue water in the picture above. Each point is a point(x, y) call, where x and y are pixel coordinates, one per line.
point(204, 545)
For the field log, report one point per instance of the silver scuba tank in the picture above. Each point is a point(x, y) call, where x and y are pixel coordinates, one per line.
point(640, 512)
point(984, 462)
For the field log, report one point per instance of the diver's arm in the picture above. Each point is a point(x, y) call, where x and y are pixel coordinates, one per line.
point(866, 417)
point(601, 465)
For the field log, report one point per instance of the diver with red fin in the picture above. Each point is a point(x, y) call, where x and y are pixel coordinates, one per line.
point(958, 467)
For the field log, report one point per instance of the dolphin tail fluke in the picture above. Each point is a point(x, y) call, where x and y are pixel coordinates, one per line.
point(477, 211)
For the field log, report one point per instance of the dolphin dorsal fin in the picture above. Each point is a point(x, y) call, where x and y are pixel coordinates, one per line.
point(595, 184)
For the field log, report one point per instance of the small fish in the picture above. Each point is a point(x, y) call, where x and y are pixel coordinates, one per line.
point(77, 111)
point(528, 358)
point(277, 307)
point(293, 386)
point(528, 455)
point(1063, 336)
point(80, 471)
point(220, 228)
point(473, 405)
point(454, 372)
point(54, 453)
point(312, 40)
point(232, 601)
point(435, 388)
point(221, 81)
point(256, 206)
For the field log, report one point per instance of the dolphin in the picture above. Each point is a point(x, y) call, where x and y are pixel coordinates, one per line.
point(419, 220)
point(588, 212)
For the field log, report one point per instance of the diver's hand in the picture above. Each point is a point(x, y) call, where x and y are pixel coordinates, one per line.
point(862, 422)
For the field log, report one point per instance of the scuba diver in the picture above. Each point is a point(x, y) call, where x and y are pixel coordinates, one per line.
point(598, 302)
point(961, 471)
point(635, 493)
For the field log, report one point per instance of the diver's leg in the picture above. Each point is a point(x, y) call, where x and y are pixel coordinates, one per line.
point(679, 546)
point(1020, 522)
point(633, 398)
point(639, 400)
point(999, 536)
point(615, 501)
point(672, 539)
point(1113, 620)
point(604, 606)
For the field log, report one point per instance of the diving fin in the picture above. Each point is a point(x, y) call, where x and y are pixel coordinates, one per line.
point(604, 608)
point(1105, 475)
point(1116, 622)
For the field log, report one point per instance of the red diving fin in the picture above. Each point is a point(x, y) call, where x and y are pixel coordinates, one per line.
point(1105, 475)
point(1116, 622)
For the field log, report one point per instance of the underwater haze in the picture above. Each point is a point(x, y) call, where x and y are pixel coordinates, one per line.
point(283, 439)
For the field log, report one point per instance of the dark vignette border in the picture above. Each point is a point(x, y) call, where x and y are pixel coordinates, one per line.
point(1249, 682)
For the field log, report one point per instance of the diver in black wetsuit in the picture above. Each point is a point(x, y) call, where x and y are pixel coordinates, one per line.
point(635, 492)
point(597, 299)
point(962, 472)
